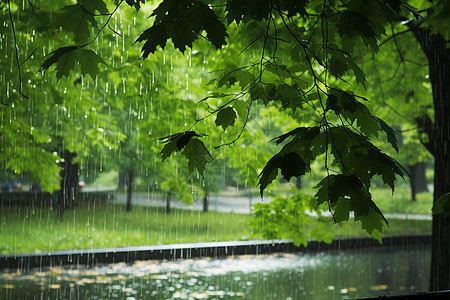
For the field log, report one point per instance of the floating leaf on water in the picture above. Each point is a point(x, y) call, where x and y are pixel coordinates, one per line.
point(7, 286)
point(380, 287)
point(55, 286)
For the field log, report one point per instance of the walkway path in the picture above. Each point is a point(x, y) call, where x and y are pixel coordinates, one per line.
point(230, 203)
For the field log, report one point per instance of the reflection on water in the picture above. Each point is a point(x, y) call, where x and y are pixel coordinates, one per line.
point(331, 275)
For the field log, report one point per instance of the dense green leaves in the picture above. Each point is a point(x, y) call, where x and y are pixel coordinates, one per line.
point(345, 193)
point(135, 3)
point(290, 164)
point(285, 54)
point(294, 158)
point(183, 22)
point(66, 59)
point(197, 155)
point(247, 10)
point(192, 148)
point(94, 6)
point(226, 117)
point(243, 77)
point(286, 218)
point(78, 20)
point(354, 155)
point(347, 106)
point(352, 24)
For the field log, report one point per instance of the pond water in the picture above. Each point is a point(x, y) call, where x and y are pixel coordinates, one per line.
point(329, 275)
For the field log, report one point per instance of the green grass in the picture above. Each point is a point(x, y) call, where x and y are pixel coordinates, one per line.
point(400, 201)
point(25, 230)
point(106, 179)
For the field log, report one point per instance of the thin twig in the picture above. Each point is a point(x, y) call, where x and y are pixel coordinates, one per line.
point(31, 5)
point(28, 57)
point(109, 26)
point(393, 37)
point(104, 25)
point(16, 47)
point(402, 59)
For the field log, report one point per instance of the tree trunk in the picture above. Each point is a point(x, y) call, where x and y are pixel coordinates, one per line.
point(418, 179)
point(122, 180)
point(168, 202)
point(67, 194)
point(129, 186)
point(434, 47)
point(205, 202)
point(298, 182)
point(440, 257)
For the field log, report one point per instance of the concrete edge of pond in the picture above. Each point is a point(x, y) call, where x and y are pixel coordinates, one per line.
point(93, 257)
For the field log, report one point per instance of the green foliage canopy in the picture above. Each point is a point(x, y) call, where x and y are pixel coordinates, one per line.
point(303, 58)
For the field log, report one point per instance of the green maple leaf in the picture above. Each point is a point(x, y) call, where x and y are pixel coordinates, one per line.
point(215, 30)
point(197, 155)
point(89, 61)
point(226, 117)
point(135, 3)
point(154, 36)
point(289, 97)
point(94, 5)
point(346, 193)
point(371, 221)
point(65, 59)
point(258, 92)
point(238, 10)
point(241, 108)
point(366, 121)
point(65, 64)
point(353, 24)
point(244, 78)
point(338, 63)
point(75, 19)
point(291, 165)
point(55, 56)
point(342, 210)
point(390, 133)
point(359, 74)
point(294, 7)
point(183, 22)
point(182, 34)
point(176, 142)
point(269, 173)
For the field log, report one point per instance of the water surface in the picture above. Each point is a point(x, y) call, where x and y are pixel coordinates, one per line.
point(327, 275)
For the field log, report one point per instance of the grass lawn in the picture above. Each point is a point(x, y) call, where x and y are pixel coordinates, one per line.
point(400, 201)
point(25, 230)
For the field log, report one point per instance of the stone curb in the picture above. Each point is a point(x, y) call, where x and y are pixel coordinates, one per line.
point(95, 257)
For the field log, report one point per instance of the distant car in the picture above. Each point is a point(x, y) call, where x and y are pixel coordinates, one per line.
point(81, 184)
point(9, 186)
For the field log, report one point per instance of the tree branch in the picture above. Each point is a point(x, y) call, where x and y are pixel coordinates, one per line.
point(16, 48)
point(426, 125)
point(393, 37)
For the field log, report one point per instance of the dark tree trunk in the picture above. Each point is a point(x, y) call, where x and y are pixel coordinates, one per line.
point(67, 194)
point(205, 202)
point(434, 47)
point(418, 179)
point(129, 187)
point(168, 202)
point(122, 180)
point(298, 182)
